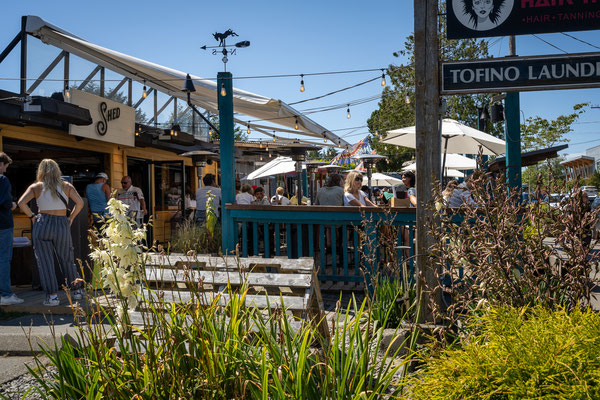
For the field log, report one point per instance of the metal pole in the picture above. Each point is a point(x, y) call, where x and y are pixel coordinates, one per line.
point(23, 85)
point(227, 158)
point(428, 143)
point(513, 131)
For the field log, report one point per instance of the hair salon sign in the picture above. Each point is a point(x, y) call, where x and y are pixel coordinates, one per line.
point(113, 122)
point(521, 74)
point(483, 18)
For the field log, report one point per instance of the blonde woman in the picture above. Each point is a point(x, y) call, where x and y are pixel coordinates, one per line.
point(51, 228)
point(353, 196)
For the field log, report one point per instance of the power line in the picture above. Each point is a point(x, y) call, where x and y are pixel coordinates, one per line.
point(580, 40)
point(550, 44)
point(334, 92)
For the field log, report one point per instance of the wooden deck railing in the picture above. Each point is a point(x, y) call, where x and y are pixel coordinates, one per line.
point(331, 235)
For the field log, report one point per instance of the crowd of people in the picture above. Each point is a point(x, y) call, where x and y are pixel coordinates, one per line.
point(46, 203)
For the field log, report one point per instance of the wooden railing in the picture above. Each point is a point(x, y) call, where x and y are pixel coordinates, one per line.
point(332, 235)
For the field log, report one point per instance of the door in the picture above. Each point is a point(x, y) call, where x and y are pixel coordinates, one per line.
point(169, 203)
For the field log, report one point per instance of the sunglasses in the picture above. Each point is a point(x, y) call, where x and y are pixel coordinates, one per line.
point(358, 179)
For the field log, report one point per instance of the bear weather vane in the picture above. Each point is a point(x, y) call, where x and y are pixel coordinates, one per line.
point(221, 37)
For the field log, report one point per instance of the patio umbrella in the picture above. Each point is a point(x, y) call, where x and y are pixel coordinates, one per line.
point(456, 138)
point(453, 161)
point(448, 172)
point(379, 179)
point(278, 166)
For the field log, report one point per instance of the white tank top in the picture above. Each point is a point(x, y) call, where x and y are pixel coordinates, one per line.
point(48, 202)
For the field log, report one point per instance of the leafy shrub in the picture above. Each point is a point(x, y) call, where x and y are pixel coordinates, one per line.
point(496, 250)
point(392, 301)
point(192, 236)
point(518, 353)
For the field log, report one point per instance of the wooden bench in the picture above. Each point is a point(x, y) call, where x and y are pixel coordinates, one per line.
point(274, 283)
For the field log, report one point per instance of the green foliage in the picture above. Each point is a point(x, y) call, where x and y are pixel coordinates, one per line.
point(230, 351)
point(593, 180)
point(518, 353)
point(395, 112)
point(198, 238)
point(538, 133)
point(392, 301)
point(550, 172)
point(501, 251)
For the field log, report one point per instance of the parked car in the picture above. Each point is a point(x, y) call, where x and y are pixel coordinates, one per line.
point(554, 199)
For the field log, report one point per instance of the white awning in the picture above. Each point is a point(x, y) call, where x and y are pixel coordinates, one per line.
point(170, 81)
point(278, 166)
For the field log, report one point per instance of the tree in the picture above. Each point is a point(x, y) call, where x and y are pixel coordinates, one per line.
point(538, 133)
point(119, 97)
point(396, 108)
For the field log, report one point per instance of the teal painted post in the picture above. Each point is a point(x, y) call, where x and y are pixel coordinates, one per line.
point(513, 140)
point(305, 184)
point(227, 161)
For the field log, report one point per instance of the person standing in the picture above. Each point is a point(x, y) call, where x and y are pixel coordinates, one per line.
point(332, 194)
point(7, 205)
point(51, 228)
point(244, 197)
point(134, 198)
point(98, 194)
point(210, 186)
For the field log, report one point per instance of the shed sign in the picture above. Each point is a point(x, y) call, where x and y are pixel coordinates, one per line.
point(522, 74)
point(113, 122)
point(484, 18)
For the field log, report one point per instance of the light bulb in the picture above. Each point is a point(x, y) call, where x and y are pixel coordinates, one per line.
point(324, 139)
point(137, 133)
point(260, 158)
point(144, 93)
point(296, 127)
point(407, 99)
point(274, 139)
point(248, 129)
point(348, 112)
point(175, 133)
point(67, 93)
point(210, 132)
point(267, 148)
point(223, 91)
point(302, 83)
point(383, 79)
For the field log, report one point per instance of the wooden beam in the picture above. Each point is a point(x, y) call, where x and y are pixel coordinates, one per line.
point(428, 143)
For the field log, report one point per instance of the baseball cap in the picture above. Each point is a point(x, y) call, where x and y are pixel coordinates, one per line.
point(101, 175)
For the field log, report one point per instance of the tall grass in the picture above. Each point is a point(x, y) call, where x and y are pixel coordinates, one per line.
point(221, 352)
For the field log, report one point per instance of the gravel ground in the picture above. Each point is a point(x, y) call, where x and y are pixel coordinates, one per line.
point(21, 388)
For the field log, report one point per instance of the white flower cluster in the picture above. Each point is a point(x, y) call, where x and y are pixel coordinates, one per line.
point(119, 254)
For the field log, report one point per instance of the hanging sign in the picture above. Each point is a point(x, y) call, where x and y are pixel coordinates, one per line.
point(484, 18)
point(522, 74)
point(112, 121)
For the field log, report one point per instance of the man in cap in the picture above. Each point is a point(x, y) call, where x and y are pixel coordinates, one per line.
point(98, 194)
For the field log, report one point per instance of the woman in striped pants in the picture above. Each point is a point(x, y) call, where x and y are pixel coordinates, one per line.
point(51, 228)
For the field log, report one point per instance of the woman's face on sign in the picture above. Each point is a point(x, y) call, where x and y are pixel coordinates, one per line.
point(483, 8)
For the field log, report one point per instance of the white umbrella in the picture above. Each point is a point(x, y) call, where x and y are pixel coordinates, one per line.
point(448, 172)
point(379, 179)
point(278, 166)
point(456, 138)
point(453, 161)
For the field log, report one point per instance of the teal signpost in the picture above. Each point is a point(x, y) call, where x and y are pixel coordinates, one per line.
point(225, 101)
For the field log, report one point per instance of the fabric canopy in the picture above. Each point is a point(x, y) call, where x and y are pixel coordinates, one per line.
point(379, 179)
point(170, 81)
point(456, 138)
point(278, 166)
point(453, 161)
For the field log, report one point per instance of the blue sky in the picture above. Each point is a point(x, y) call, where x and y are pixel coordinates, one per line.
point(287, 38)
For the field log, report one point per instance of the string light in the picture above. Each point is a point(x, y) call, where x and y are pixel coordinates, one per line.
point(302, 83)
point(348, 112)
point(267, 148)
point(296, 126)
point(274, 139)
point(324, 138)
point(223, 91)
point(260, 158)
point(407, 99)
point(248, 129)
point(382, 77)
point(67, 93)
point(144, 93)
point(210, 132)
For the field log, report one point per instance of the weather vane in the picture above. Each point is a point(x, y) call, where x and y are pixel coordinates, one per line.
point(221, 37)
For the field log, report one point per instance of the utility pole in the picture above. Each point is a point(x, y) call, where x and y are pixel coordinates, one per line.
point(428, 143)
point(513, 131)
